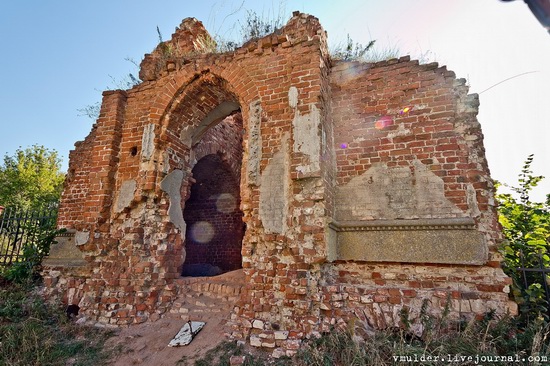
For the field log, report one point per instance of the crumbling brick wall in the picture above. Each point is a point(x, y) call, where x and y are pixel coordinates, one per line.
point(363, 188)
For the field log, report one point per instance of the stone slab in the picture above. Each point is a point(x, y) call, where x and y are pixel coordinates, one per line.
point(65, 253)
point(186, 334)
point(443, 241)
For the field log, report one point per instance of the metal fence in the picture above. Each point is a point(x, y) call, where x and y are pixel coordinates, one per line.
point(534, 270)
point(22, 227)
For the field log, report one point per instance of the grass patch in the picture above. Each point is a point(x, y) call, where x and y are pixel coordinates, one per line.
point(490, 339)
point(33, 332)
point(222, 353)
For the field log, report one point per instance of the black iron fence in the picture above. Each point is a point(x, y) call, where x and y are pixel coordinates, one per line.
point(22, 227)
point(534, 278)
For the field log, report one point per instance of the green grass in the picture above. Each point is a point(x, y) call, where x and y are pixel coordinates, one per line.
point(33, 332)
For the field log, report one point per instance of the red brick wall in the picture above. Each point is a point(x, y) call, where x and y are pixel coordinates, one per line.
point(87, 198)
point(311, 122)
point(135, 251)
point(365, 96)
point(215, 197)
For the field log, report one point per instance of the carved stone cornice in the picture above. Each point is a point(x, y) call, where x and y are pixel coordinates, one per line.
point(459, 223)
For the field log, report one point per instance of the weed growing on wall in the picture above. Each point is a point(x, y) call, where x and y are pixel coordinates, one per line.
point(350, 50)
point(255, 26)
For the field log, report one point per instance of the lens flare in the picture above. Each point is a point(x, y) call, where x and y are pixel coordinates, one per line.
point(202, 232)
point(226, 203)
point(405, 110)
point(344, 146)
point(383, 122)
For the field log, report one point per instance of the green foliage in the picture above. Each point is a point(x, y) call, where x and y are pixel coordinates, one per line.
point(31, 179)
point(526, 227)
point(33, 332)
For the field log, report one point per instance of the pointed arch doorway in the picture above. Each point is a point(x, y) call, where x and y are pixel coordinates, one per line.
point(214, 221)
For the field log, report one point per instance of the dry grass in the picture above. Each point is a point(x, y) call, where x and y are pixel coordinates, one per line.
point(33, 332)
point(499, 340)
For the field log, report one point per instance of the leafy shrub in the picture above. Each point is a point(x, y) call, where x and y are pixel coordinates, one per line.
point(526, 227)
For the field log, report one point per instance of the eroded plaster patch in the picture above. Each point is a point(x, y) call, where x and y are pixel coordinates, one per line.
point(185, 135)
point(293, 97)
point(306, 139)
point(216, 115)
point(254, 143)
point(81, 237)
point(171, 184)
point(472, 200)
point(125, 195)
point(381, 192)
point(273, 192)
point(148, 142)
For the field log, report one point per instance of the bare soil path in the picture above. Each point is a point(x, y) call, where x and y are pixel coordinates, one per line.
point(207, 299)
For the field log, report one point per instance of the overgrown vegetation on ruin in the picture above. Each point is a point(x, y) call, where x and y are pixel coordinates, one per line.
point(252, 27)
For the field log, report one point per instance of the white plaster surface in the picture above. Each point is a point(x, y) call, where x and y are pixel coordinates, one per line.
point(409, 192)
point(81, 237)
point(125, 195)
point(171, 184)
point(307, 140)
point(148, 142)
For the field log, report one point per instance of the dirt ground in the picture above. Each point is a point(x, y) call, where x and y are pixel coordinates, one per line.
point(147, 344)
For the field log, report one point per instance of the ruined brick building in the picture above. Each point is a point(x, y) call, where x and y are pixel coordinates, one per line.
point(342, 189)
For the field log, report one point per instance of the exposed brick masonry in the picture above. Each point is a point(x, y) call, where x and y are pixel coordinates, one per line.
point(316, 155)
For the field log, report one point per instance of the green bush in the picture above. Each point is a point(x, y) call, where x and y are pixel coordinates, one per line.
point(526, 228)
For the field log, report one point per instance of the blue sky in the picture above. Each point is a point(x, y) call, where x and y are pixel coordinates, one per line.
point(58, 55)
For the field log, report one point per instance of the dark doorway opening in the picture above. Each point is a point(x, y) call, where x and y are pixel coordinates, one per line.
point(215, 227)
